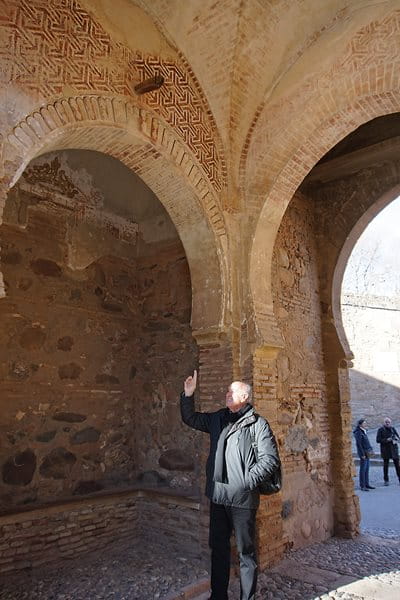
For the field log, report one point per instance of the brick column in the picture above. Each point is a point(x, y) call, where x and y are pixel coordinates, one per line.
point(346, 505)
point(215, 374)
point(271, 543)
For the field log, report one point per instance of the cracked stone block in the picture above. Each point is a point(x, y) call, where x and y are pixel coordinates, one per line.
point(20, 468)
point(69, 417)
point(46, 436)
point(90, 434)
point(48, 268)
point(296, 440)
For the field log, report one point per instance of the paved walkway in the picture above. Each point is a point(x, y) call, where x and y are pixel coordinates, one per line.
point(380, 508)
point(367, 568)
point(362, 569)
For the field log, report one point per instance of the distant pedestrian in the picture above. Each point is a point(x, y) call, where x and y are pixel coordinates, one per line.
point(364, 451)
point(388, 437)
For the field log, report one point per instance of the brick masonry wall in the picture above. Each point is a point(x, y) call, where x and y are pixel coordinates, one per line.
point(36, 537)
point(300, 404)
point(270, 536)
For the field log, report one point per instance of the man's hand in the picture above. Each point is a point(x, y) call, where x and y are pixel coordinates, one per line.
point(190, 384)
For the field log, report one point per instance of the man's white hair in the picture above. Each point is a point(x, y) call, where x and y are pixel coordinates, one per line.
point(246, 387)
point(249, 391)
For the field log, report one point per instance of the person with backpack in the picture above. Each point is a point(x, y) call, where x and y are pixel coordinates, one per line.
point(243, 462)
point(388, 438)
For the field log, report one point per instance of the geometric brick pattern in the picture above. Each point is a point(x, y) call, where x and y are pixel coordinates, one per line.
point(376, 43)
point(369, 65)
point(36, 133)
point(181, 107)
point(48, 44)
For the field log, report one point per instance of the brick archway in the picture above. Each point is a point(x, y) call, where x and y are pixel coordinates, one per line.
point(324, 136)
point(145, 144)
point(345, 511)
point(348, 243)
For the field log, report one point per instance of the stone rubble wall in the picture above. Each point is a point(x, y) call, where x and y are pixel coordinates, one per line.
point(93, 359)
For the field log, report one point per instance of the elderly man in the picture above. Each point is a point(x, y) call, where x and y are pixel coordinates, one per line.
point(243, 453)
point(388, 437)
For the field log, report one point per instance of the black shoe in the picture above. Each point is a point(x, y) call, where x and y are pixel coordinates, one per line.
point(386, 483)
point(370, 487)
point(364, 489)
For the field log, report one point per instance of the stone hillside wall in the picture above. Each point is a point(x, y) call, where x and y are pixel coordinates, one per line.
point(372, 326)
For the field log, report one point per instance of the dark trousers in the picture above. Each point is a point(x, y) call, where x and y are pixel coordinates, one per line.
point(224, 519)
point(386, 468)
point(364, 473)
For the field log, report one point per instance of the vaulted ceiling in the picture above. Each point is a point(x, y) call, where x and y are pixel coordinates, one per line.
point(244, 51)
point(247, 55)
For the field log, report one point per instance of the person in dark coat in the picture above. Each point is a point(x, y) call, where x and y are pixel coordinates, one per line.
point(388, 438)
point(364, 449)
point(243, 454)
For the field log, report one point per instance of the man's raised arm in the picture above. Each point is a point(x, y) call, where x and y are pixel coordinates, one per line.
point(196, 420)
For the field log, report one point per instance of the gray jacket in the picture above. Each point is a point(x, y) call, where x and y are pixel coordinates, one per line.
point(249, 453)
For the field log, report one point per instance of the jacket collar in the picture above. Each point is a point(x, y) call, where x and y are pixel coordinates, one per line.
point(248, 418)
